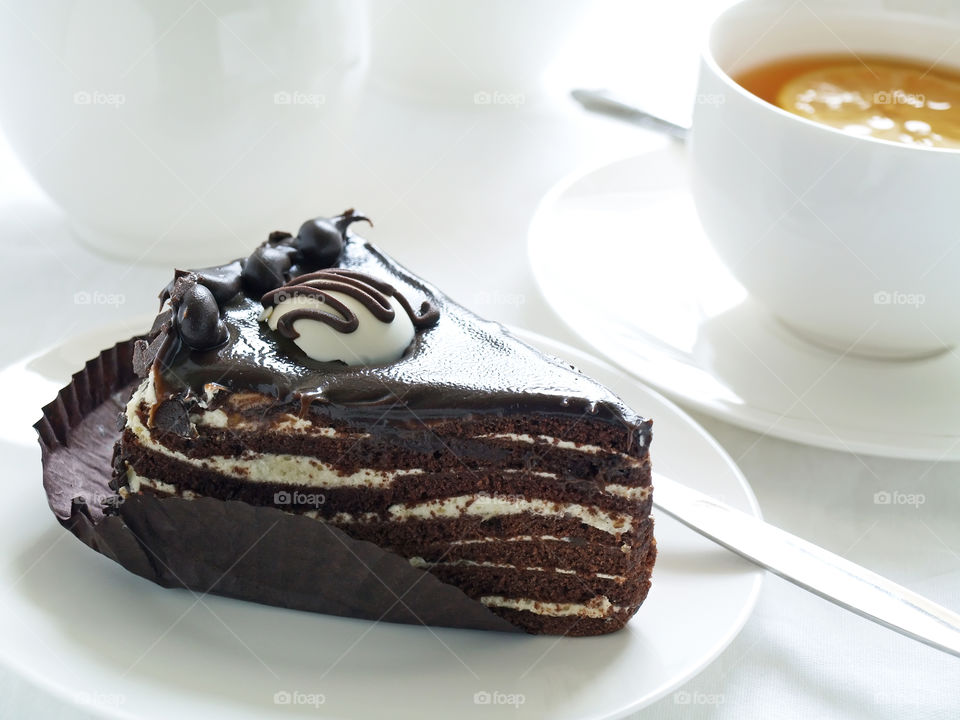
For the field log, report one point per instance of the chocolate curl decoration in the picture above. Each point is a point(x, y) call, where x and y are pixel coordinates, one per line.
point(373, 294)
point(348, 218)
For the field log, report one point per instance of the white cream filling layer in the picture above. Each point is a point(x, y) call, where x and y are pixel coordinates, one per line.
point(625, 491)
point(536, 473)
point(255, 467)
point(419, 562)
point(516, 538)
point(598, 607)
point(137, 482)
point(558, 443)
point(220, 419)
point(625, 547)
point(487, 506)
point(490, 506)
point(211, 418)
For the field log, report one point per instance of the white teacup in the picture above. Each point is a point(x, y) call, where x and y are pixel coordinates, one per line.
point(851, 241)
point(178, 132)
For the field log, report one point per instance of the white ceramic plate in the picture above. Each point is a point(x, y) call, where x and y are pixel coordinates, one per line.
point(620, 256)
point(85, 629)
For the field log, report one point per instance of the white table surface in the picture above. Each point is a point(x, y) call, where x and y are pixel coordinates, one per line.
point(462, 223)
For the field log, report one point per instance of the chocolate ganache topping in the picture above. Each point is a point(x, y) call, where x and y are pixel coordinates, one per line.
point(223, 326)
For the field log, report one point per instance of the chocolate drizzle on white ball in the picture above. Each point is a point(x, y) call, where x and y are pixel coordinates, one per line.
point(345, 315)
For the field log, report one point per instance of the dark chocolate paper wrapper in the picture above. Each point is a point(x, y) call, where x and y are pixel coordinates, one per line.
point(224, 547)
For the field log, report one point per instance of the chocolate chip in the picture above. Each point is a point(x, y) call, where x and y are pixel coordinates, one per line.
point(267, 268)
point(140, 362)
point(171, 416)
point(319, 242)
point(198, 317)
point(278, 236)
point(183, 280)
point(145, 352)
point(160, 323)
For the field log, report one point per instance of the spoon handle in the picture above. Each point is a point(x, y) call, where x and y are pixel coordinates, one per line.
point(606, 103)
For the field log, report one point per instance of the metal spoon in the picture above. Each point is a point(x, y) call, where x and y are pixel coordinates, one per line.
point(606, 103)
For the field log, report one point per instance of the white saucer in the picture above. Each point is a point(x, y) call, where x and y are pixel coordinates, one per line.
point(83, 629)
point(620, 255)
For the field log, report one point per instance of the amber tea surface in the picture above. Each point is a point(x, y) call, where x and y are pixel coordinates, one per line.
point(884, 97)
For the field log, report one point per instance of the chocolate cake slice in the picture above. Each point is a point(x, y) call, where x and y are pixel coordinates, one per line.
point(319, 377)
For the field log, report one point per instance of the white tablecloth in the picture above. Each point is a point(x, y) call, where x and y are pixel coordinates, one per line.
point(798, 656)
